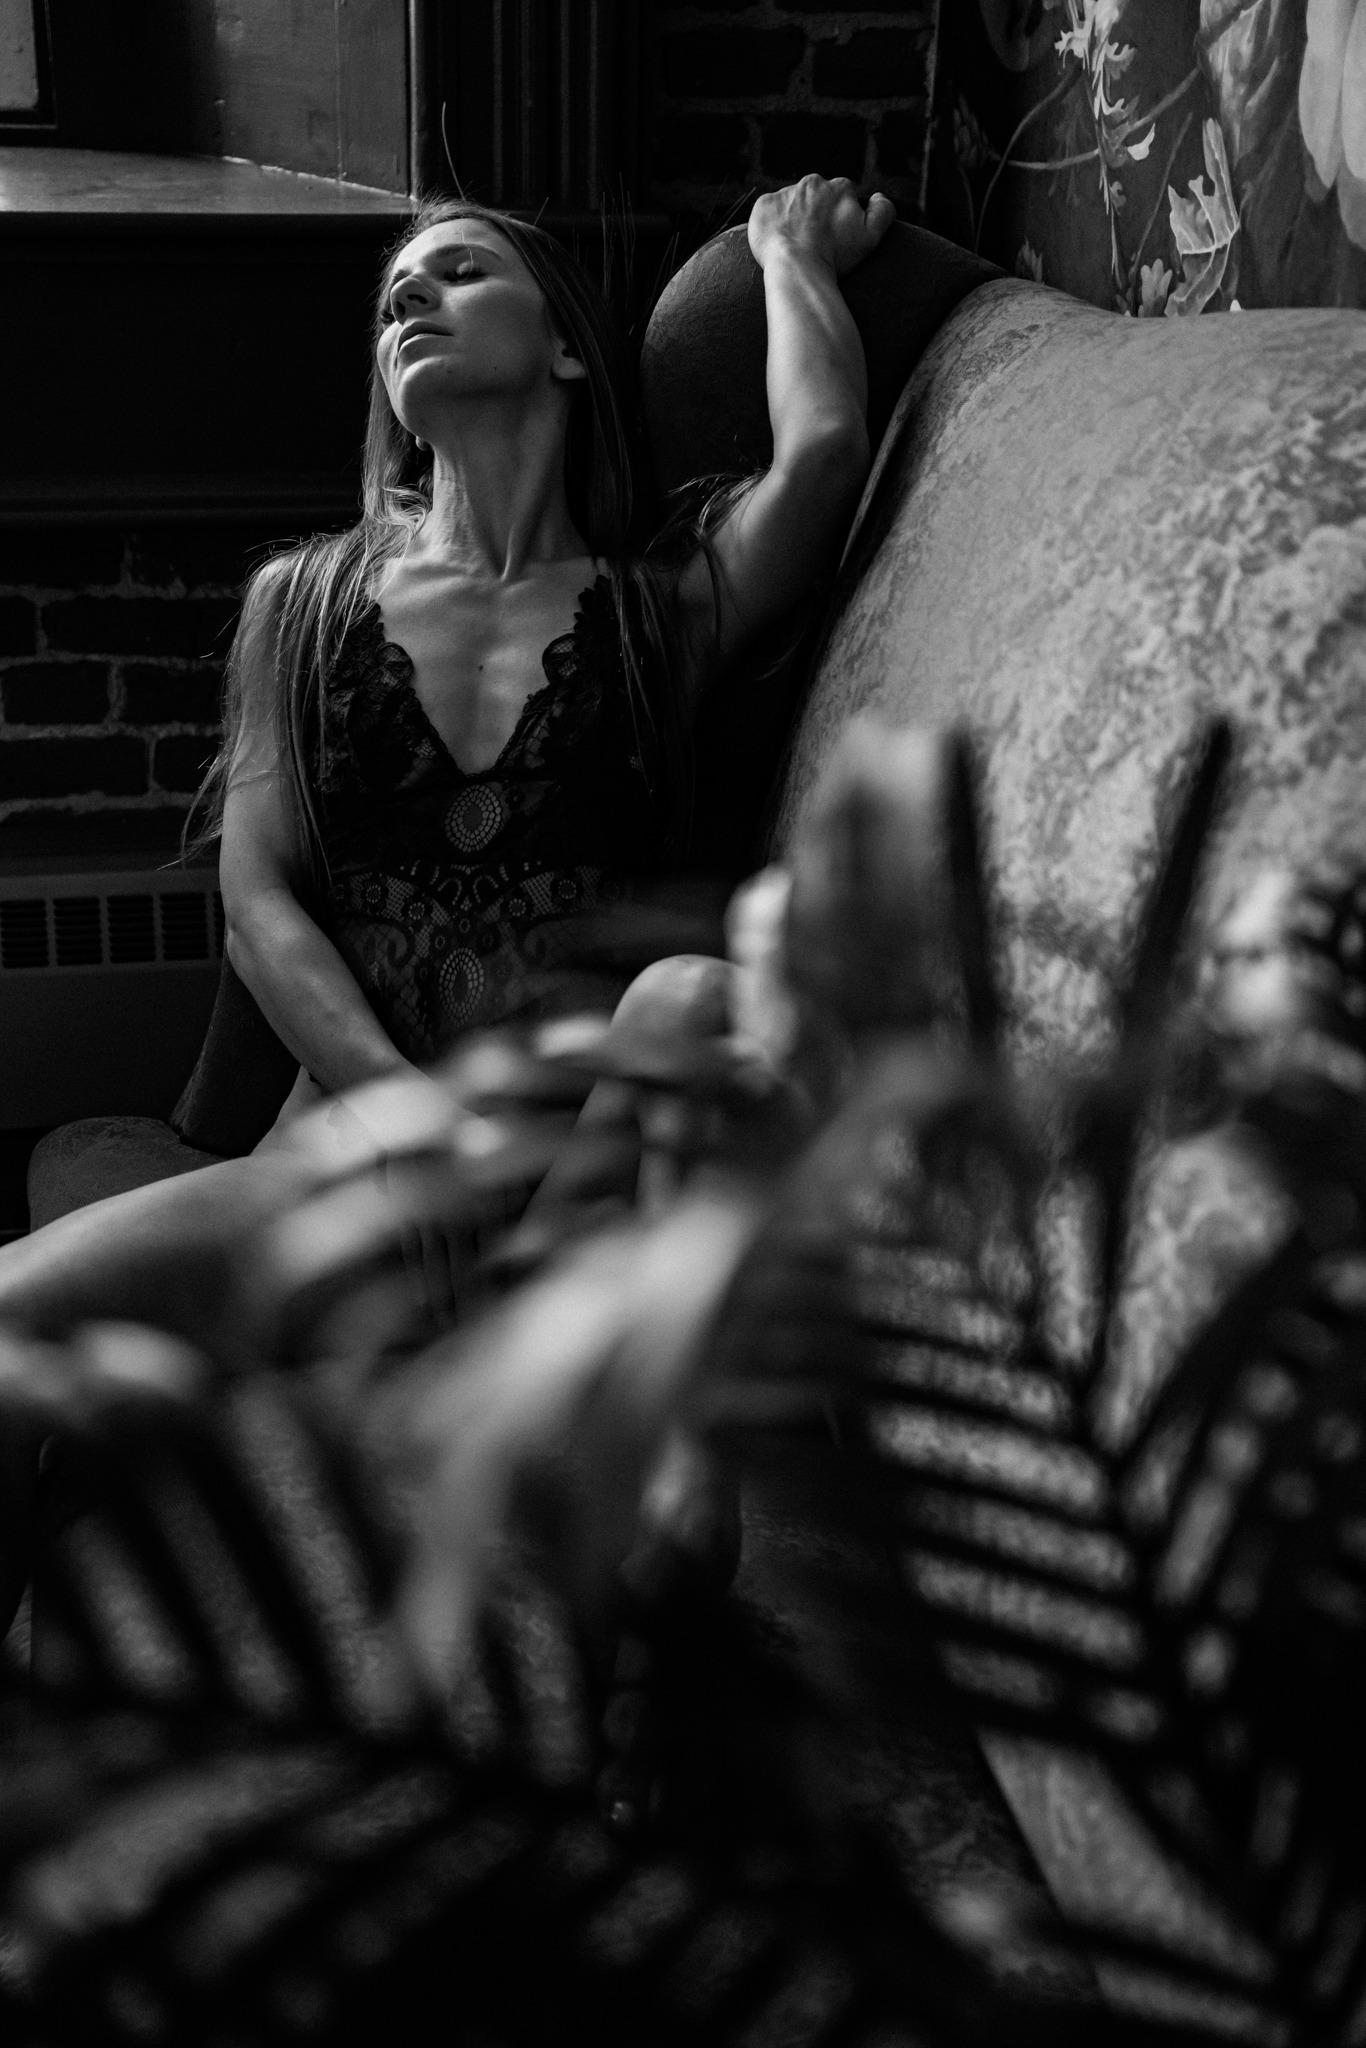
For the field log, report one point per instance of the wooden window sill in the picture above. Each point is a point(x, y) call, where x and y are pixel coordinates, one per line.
point(50, 189)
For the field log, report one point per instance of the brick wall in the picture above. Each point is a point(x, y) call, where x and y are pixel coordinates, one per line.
point(755, 92)
point(111, 653)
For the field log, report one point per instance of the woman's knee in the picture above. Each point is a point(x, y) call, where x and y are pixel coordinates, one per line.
point(687, 995)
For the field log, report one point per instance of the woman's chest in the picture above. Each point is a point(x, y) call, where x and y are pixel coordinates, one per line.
point(477, 653)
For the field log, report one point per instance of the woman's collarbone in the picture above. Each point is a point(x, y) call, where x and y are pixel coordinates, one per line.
point(476, 662)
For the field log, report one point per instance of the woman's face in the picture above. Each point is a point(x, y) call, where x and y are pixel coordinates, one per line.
point(464, 318)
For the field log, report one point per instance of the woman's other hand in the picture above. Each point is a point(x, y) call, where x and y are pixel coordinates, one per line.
point(822, 216)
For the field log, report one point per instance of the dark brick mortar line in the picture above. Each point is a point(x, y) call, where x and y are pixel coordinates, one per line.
point(92, 803)
point(172, 593)
point(31, 690)
point(817, 21)
point(17, 731)
point(112, 649)
point(692, 186)
point(861, 109)
point(826, 68)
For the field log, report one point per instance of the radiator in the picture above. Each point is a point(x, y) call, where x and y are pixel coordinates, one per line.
point(107, 979)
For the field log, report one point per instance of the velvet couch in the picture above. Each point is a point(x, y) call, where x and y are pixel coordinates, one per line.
point(1084, 536)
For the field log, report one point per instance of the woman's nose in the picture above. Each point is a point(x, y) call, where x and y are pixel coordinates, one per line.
point(411, 295)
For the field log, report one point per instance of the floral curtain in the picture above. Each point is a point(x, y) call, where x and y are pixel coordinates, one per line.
point(1172, 159)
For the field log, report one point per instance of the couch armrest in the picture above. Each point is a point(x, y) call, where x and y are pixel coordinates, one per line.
point(241, 1077)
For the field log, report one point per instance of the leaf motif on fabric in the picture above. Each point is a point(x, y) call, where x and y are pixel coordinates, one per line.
point(1276, 71)
point(1203, 230)
point(1332, 109)
point(1328, 25)
point(1354, 98)
point(1246, 53)
point(1029, 262)
point(1155, 281)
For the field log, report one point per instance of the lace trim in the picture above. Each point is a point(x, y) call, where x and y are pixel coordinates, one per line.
point(403, 739)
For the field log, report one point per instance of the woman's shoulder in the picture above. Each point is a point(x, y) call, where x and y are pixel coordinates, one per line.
point(294, 567)
point(257, 647)
point(286, 564)
point(281, 613)
point(302, 593)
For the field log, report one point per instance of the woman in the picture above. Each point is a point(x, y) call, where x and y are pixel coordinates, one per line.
point(458, 727)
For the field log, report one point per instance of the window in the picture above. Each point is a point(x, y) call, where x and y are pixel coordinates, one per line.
point(23, 62)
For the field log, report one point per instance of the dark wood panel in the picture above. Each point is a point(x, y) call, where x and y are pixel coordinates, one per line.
point(232, 358)
point(315, 85)
point(542, 98)
point(277, 66)
point(463, 84)
point(372, 93)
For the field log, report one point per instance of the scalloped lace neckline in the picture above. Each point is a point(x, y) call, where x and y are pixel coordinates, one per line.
point(404, 671)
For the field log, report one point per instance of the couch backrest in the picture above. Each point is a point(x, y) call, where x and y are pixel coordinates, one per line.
point(1084, 535)
point(702, 361)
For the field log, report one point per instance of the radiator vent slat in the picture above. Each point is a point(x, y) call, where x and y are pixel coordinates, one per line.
point(23, 932)
point(128, 927)
point(132, 932)
point(76, 924)
point(184, 927)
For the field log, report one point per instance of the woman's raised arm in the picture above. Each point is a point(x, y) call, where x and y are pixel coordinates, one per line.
point(784, 530)
point(303, 986)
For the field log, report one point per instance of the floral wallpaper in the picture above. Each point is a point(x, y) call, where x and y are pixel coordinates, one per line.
point(1165, 157)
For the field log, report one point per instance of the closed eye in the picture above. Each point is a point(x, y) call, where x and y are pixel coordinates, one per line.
point(463, 271)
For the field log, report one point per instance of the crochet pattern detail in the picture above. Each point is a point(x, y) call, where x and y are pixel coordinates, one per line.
point(458, 899)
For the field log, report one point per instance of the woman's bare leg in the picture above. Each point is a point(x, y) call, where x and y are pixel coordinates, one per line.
point(164, 1253)
point(160, 1254)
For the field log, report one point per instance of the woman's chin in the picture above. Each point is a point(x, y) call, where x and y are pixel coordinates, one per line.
point(442, 389)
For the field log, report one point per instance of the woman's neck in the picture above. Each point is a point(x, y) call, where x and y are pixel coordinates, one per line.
point(498, 497)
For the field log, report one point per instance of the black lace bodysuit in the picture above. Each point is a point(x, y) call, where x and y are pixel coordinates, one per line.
point(459, 900)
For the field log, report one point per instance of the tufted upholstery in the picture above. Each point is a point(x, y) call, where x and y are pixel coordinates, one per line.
point(1085, 534)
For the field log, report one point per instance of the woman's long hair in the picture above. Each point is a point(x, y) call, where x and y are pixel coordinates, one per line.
point(314, 593)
